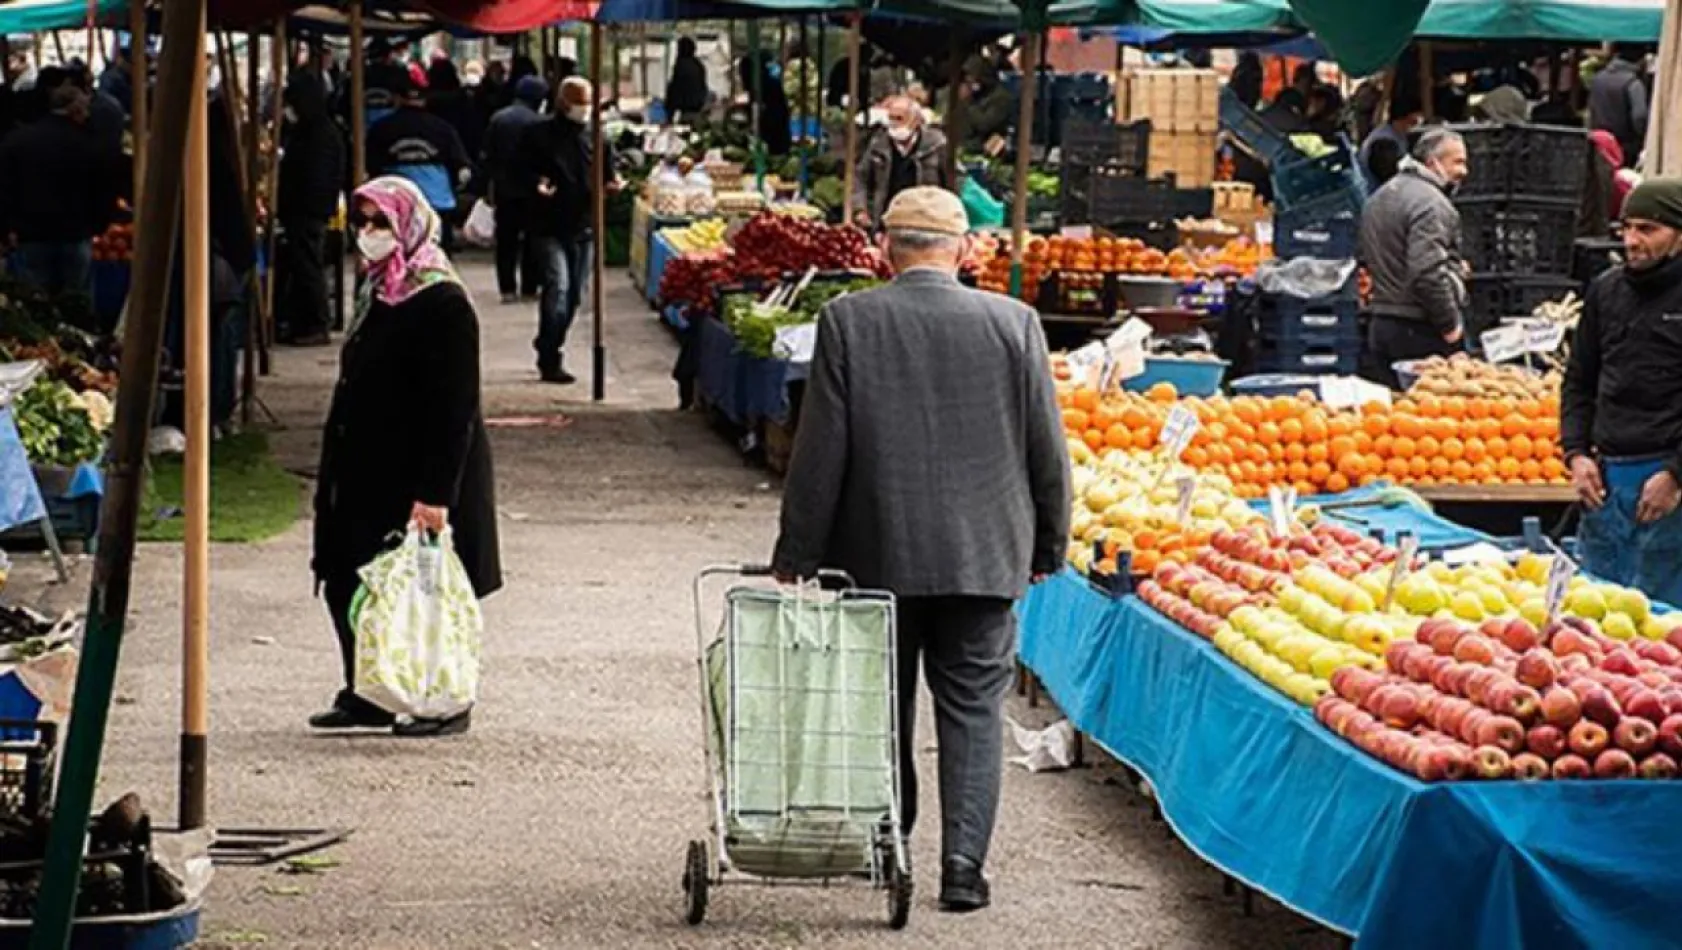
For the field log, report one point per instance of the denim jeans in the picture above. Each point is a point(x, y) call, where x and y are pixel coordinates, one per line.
point(1615, 547)
point(566, 264)
point(57, 267)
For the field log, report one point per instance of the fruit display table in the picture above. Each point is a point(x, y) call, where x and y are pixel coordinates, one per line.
point(660, 251)
point(1259, 789)
point(745, 390)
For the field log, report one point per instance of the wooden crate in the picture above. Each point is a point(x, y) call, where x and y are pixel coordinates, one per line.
point(1188, 156)
point(1175, 100)
point(1234, 197)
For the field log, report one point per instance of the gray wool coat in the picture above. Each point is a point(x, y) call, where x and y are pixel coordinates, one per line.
point(930, 457)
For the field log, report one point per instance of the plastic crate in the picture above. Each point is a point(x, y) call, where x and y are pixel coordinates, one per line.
point(1340, 359)
point(1304, 181)
point(1090, 143)
point(1302, 234)
point(1194, 203)
point(1190, 377)
point(1268, 385)
point(1073, 292)
point(1518, 238)
point(1119, 197)
point(1247, 125)
point(1525, 162)
point(1495, 297)
point(1591, 257)
point(1328, 321)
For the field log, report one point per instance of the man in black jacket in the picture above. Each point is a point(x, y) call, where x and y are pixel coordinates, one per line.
point(1618, 101)
point(413, 143)
point(312, 168)
point(1621, 406)
point(59, 184)
point(559, 156)
point(686, 91)
point(513, 190)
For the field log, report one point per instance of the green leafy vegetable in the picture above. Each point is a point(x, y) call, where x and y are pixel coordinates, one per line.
point(55, 427)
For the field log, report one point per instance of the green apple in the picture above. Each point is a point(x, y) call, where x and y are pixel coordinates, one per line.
point(1618, 626)
point(1628, 600)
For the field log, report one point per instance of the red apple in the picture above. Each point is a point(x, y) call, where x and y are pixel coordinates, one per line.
point(1568, 642)
point(1417, 663)
point(1653, 679)
point(1588, 739)
point(1658, 765)
point(1574, 663)
point(1570, 766)
point(1672, 696)
point(1662, 653)
point(1636, 736)
point(1537, 668)
point(1561, 707)
point(1646, 704)
point(1601, 706)
point(1622, 661)
point(1400, 708)
point(1670, 736)
point(1478, 683)
point(1492, 628)
point(1519, 635)
point(1474, 648)
point(1491, 763)
point(1614, 763)
point(1503, 732)
point(1530, 768)
point(1446, 638)
point(1674, 638)
point(1546, 741)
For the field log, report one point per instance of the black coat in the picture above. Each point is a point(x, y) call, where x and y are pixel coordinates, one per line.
point(312, 167)
point(406, 426)
point(59, 181)
point(562, 151)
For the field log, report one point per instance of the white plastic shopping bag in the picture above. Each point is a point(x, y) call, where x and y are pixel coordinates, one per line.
point(418, 629)
point(480, 229)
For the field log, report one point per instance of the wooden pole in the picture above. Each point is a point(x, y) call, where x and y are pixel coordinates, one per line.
point(959, 43)
point(137, 79)
point(256, 318)
point(195, 474)
point(1024, 148)
point(277, 69)
point(358, 99)
point(598, 200)
point(108, 597)
point(849, 170)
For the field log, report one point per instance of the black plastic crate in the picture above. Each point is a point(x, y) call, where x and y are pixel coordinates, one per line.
point(1591, 257)
point(1341, 359)
point(1298, 233)
point(1518, 238)
point(1120, 197)
point(1525, 162)
point(1194, 203)
point(1252, 131)
point(1074, 193)
point(1325, 321)
point(1090, 143)
point(1494, 297)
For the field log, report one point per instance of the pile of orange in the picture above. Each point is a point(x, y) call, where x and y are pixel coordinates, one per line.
point(1294, 440)
point(1110, 255)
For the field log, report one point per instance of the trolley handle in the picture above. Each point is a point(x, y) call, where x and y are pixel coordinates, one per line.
point(827, 576)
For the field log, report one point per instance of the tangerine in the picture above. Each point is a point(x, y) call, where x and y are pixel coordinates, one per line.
point(1085, 399)
point(1076, 420)
point(1429, 446)
point(1337, 482)
point(1291, 430)
point(1404, 447)
point(1094, 439)
point(1521, 447)
point(1118, 436)
point(1419, 466)
point(1453, 449)
point(1163, 393)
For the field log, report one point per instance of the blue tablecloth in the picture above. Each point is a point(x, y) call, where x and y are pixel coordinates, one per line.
point(20, 494)
point(746, 389)
point(660, 250)
point(1432, 531)
point(1255, 786)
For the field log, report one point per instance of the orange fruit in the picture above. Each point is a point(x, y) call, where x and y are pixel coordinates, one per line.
point(1351, 465)
point(1440, 467)
point(1103, 417)
point(1460, 470)
point(1530, 470)
point(1396, 468)
point(1075, 420)
point(1514, 424)
point(1375, 425)
point(1296, 472)
point(1245, 410)
point(1267, 433)
point(1291, 430)
point(1283, 407)
point(1340, 424)
point(1507, 468)
point(1319, 472)
point(1419, 466)
point(1318, 452)
point(1337, 482)
point(1276, 452)
point(1363, 441)
point(1429, 446)
point(1454, 408)
point(1144, 562)
point(1368, 479)
point(1447, 429)
point(1497, 447)
point(1404, 447)
point(1118, 436)
point(1162, 393)
point(1340, 446)
point(1315, 427)
point(1553, 469)
point(1429, 408)
point(1521, 447)
point(1094, 439)
point(1407, 425)
point(1305, 488)
point(1196, 457)
point(1256, 451)
point(1295, 452)
point(1453, 449)
point(1543, 448)
point(1384, 446)
point(1476, 451)
point(1483, 472)
point(1144, 436)
point(1085, 399)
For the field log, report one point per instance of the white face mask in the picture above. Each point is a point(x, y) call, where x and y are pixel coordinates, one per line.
point(901, 134)
point(579, 114)
point(376, 244)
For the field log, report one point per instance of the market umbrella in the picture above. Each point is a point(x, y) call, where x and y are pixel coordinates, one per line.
point(1562, 20)
point(1663, 155)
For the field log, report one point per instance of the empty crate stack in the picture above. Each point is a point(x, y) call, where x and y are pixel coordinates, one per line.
point(1320, 335)
point(1093, 144)
point(1518, 218)
point(1183, 106)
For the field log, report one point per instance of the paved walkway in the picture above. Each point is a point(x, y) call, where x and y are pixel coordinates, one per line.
point(561, 819)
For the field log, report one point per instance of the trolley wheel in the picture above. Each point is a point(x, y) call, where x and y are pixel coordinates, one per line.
point(695, 883)
point(899, 895)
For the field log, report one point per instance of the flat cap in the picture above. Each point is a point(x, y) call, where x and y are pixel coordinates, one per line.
point(926, 208)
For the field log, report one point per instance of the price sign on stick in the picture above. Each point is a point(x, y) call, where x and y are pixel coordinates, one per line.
point(1560, 573)
point(1404, 562)
point(1281, 507)
point(1177, 431)
point(1088, 363)
point(1184, 486)
point(1503, 343)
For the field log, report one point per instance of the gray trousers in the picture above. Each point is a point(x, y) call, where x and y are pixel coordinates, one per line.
point(965, 645)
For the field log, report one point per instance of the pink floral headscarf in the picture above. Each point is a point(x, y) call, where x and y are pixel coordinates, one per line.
point(418, 262)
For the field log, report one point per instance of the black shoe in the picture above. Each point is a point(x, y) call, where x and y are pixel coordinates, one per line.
point(341, 718)
point(962, 887)
point(557, 375)
point(427, 728)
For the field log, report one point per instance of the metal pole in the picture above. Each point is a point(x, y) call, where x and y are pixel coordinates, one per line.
point(1427, 85)
point(195, 475)
point(137, 79)
point(804, 87)
point(756, 93)
point(358, 99)
point(598, 200)
point(849, 173)
point(1024, 146)
point(256, 319)
point(182, 58)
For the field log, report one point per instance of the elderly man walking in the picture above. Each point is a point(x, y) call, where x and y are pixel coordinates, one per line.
point(930, 462)
point(904, 154)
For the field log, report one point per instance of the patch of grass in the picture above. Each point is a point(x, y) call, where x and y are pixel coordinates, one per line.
point(251, 497)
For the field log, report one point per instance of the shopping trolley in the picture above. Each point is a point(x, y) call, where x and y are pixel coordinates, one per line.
point(800, 710)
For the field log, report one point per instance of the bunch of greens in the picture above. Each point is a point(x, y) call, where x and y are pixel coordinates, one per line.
point(55, 426)
point(827, 193)
point(755, 325)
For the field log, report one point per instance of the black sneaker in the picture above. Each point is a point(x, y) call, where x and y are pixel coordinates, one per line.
point(427, 728)
point(962, 887)
point(557, 375)
point(340, 718)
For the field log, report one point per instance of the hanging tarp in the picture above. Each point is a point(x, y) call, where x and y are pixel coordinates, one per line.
point(1586, 21)
point(28, 16)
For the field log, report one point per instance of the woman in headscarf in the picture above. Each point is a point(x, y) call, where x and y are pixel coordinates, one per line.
point(405, 439)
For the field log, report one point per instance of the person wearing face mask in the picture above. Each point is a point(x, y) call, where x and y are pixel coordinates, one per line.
point(415, 144)
point(927, 376)
point(903, 154)
point(404, 442)
point(1410, 244)
point(558, 155)
point(1620, 421)
point(312, 168)
point(59, 184)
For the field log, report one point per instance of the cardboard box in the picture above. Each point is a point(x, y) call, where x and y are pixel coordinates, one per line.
point(1188, 156)
point(1175, 100)
point(1233, 196)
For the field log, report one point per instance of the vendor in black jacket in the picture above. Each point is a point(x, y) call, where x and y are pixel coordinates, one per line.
point(312, 168)
point(558, 154)
point(413, 143)
point(1621, 407)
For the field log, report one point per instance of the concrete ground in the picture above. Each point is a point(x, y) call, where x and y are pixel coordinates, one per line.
point(561, 819)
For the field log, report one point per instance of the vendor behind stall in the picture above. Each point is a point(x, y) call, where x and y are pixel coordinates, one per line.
point(903, 154)
point(1621, 406)
point(990, 107)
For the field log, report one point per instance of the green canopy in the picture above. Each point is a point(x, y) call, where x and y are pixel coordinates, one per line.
point(1562, 20)
point(27, 16)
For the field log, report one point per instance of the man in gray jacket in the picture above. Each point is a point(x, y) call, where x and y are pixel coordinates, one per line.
point(1410, 244)
point(930, 462)
point(905, 154)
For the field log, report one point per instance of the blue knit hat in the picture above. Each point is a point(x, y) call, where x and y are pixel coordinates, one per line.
point(531, 89)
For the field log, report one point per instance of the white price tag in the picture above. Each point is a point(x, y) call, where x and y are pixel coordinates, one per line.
point(1560, 573)
point(1404, 563)
point(1079, 232)
point(1503, 343)
point(1185, 486)
point(1544, 337)
point(1349, 392)
point(796, 343)
point(1089, 363)
point(1281, 508)
point(1177, 431)
point(1129, 335)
